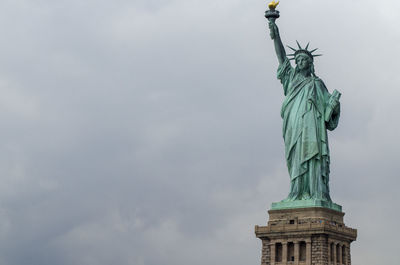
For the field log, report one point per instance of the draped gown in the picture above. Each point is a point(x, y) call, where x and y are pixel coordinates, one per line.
point(305, 133)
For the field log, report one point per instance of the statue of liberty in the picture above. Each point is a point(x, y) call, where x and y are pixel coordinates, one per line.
point(308, 111)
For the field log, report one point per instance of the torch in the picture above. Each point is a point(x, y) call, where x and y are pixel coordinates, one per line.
point(272, 14)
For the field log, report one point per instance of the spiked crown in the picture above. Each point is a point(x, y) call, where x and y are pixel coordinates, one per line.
point(302, 51)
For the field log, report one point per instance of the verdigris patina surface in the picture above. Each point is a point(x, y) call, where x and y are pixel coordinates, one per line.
point(308, 111)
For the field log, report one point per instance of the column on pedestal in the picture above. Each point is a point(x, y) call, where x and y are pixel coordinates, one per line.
point(266, 252)
point(330, 252)
point(273, 252)
point(308, 252)
point(334, 253)
point(296, 253)
point(348, 256)
point(284, 252)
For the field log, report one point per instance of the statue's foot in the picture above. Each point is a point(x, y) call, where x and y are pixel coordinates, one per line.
point(288, 199)
point(303, 197)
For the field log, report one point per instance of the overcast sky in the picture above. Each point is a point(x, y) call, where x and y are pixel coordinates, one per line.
point(148, 132)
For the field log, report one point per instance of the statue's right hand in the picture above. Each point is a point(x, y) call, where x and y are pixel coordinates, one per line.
point(273, 29)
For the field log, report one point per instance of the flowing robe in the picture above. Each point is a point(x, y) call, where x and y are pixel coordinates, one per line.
point(305, 135)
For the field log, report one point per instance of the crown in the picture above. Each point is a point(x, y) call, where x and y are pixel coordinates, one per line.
point(303, 51)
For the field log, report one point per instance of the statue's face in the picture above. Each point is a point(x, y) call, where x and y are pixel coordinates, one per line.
point(303, 62)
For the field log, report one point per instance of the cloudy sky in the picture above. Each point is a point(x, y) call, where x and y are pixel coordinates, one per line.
point(148, 132)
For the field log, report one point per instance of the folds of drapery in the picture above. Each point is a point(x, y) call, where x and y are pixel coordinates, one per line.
point(304, 127)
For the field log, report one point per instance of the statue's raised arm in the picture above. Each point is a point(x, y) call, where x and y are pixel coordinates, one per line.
point(279, 49)
point(272, 14)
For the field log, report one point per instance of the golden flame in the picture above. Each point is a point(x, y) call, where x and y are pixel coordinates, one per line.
point(273, 4)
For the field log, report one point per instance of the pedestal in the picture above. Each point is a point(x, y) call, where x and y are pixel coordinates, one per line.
point(306, 236)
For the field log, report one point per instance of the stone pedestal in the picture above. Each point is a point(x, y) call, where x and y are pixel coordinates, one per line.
point(305, 236)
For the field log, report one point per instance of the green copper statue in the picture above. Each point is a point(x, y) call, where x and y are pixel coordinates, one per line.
point(308, 111)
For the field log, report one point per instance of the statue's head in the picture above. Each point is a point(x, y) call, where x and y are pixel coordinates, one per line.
point(304, 59)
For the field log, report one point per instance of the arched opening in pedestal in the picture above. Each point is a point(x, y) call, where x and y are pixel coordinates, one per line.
point(278, 252)
point(290, 251)
point(303, 248)
point(343, 254)
point(337, 253)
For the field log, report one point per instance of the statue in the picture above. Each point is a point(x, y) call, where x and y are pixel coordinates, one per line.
point(308, 111)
